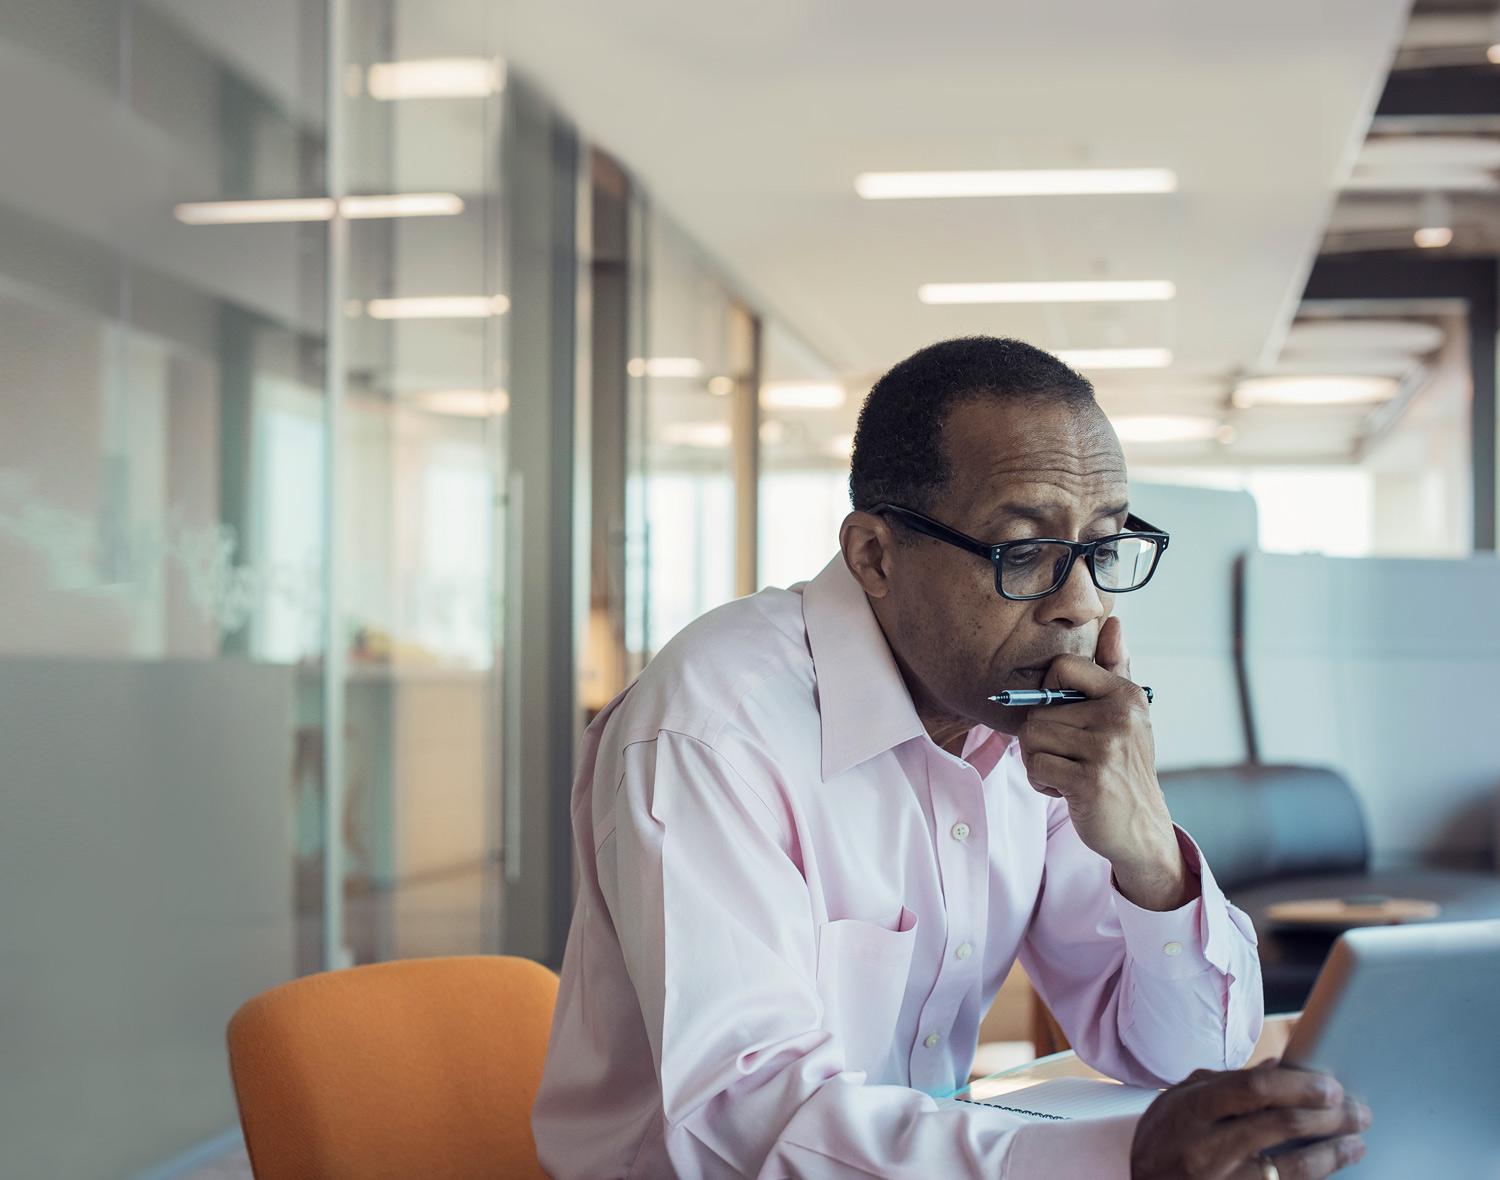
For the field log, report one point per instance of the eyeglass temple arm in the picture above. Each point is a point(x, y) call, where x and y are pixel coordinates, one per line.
point(1134, 524)
point(935, 529)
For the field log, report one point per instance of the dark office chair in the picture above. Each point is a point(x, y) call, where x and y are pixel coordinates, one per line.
point(1284, 833)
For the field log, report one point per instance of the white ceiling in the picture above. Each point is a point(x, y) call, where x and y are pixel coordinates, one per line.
point(749, 126)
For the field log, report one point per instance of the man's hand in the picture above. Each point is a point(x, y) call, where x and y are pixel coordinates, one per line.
point(1215, 1126)
point(1099, 755)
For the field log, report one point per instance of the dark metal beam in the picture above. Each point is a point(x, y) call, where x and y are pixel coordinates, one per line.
point(1476, 281)
point(1456, 91)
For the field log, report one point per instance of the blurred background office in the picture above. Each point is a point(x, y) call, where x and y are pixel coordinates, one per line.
point(382, 382)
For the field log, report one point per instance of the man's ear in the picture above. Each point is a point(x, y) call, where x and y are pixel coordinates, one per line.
point(868, 545)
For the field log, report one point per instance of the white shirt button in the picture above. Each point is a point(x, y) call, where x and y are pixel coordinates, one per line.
point(964, 950)
point(960, 830)
point(1173, 948)
point(932, 1040)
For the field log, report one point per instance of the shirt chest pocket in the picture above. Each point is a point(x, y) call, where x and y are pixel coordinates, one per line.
point(862, 974)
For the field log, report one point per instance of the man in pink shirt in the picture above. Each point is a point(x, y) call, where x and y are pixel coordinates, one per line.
point(811, 847)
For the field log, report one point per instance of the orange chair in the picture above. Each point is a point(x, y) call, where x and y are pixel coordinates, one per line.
point(420, 1068)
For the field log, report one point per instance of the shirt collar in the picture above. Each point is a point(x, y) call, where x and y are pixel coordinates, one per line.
point(863, 702)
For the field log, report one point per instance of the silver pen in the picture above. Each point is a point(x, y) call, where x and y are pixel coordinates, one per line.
point(1022, 697)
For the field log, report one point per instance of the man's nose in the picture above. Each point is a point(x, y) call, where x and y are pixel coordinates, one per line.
point(1077, 601)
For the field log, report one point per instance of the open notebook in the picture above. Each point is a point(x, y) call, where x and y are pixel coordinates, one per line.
point(1071, 1098)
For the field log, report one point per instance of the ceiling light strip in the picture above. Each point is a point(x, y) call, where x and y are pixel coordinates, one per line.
point(1115, 358)
point(1138, 291)
point(317, 208)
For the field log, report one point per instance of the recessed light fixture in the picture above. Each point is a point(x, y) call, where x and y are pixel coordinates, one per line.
point(1493, 53)
point(436, 77)
point(1316, 390)
point(1091, 291)
point(318, 208)
point(802, 395)
point(1115, 358)
point(665, 366)
point(1029, 182)
point(463, 403)
point(1165, 428)
point(1435, 217)
point(438, 307)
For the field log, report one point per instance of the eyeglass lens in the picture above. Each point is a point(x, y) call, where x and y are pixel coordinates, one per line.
point(1038, 569)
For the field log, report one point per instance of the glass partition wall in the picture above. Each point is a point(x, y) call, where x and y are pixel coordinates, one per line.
point(163, 507)
point(253, 441)
point(806, 433)
point(422, 439)
point(692, 426)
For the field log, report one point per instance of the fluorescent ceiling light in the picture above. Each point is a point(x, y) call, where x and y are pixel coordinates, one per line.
point(318, 208)
point(1314, 391)
point(802, 395)
point(1164, 428)
point(1031, 182)
point(1145, 290)
point(665, 366)
point(1493, 53)
point(247, 212)
point(436, 77)
point(1115, 358)
point(1364, 335)
point(1433, 237)
point(403, 205)
point(463, 403)
point(714, 435)
point(438, 307)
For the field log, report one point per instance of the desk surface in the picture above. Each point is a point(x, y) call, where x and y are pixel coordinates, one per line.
point(1273, 1039)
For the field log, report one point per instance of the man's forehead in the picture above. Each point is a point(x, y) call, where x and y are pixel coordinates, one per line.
point(1034, 456)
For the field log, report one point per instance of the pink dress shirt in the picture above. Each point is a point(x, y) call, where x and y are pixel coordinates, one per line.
point(795, 908)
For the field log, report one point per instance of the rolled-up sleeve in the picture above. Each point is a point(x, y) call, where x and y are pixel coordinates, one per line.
point(700, 874)
point(1145, 997)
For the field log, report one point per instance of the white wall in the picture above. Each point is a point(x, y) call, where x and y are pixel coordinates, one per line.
point(1179, 628)
point(1386, 670)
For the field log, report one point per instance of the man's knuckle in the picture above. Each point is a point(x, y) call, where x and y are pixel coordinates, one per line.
point(1259, 1086)
point(1299, 1123)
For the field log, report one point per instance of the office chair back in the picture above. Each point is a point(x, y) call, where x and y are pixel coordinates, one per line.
point(420, 1067)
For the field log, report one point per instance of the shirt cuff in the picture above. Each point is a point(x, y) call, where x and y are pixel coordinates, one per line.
point(1096, 1148)
point(1184, 942)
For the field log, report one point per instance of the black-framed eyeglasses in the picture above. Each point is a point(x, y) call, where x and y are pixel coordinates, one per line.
point(1038, 566)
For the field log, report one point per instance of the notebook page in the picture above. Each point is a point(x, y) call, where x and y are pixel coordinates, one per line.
point(1071, 1098)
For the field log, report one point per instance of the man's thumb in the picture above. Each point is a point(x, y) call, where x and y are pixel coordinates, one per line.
point(1110, 652)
